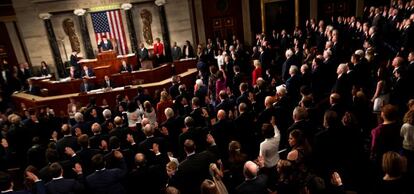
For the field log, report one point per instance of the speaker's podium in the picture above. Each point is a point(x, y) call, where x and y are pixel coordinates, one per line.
point(106, 56)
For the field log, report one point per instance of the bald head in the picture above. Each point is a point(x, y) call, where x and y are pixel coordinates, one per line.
point(221, 114)
point(250, 170)
point(148, 130)
point(145, 121)
point(268, 101)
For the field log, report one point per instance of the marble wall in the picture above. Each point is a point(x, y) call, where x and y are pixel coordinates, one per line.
point(34, 35)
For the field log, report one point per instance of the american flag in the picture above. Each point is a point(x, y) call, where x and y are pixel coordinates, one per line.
point(109, 24)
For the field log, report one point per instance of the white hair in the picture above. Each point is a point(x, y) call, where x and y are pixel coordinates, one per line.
point(169, 112)
point(78, 117)
point(360, 53)
point(281, 90)
point(293, 69)
point(199, 82)
point(107, 113)
point(288, 53)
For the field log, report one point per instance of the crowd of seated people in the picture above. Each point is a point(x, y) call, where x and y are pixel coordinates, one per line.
point(329, 110)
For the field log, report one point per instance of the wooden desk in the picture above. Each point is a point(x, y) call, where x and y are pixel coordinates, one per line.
point(120, 79)
point(58, 103)
point(108, 63)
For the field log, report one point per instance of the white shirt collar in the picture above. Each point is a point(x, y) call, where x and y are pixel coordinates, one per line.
point(58, 178)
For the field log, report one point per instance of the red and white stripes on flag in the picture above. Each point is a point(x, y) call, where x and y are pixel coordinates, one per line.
point(109, 24)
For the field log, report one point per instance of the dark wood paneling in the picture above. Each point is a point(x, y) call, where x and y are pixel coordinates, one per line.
point(328, 8)
point(255, 17)
point(223, 18)
point(280, 15)
point(377, 3)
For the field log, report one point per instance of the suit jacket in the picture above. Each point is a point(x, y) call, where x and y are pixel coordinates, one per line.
point(176, 53)
point(88, 88)
point(190, 53)
point(128, 68)
point(343, 87)
point(110, 85)
point(33, 90)
point(105, 47)
point(107, 181)
point(197, 164)
point(293, 85)
point(254, 186)
point(89, 74)
point(223, 131)
point(40, 189)
point(74, 62)
point(143, 54)
point(286, 66)
point(68, 141)
point(65, 186)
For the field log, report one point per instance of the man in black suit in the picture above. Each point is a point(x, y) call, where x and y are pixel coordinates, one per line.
point(191, 131)
point(87, 72)
point(145, 177)
point(105, 44)
point(147, 145)
point(107, 180)
point(32, 89)
point(237, 80)
point(74, 62)
point(66, 141)
point(98, 136)
point(143, 52)
point(301, 122)
point(197, 113)
point(225, 103)
point(244, 97)
point(265, 58)
point(343, 84)
point(86, 153)
point(244, 124)
point(194, 169)
point(58, 184)
point(176, 52)
point(290, 60)
point(173, 126)
point(173, 90)
point(293, 84)
point(254, 182)
point(223, 130)
point(108, 83)
point(188, 50)
point(125, 67)
point(86, 86)
point(6, 184)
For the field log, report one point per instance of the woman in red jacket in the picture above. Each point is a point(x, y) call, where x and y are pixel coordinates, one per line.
point(257, 72)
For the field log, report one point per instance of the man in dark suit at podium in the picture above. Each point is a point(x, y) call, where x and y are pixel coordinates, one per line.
point(87, 72)
point(86, 86)
point(105, 44)
point(108, 83)
point(125, 67)
point(32, 89)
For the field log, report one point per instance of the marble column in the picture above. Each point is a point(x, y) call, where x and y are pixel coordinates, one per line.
point(53, 43)
point(164, 29)
point(131, 30)
point(84, 33)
